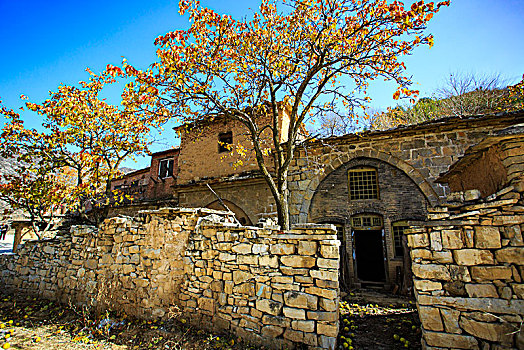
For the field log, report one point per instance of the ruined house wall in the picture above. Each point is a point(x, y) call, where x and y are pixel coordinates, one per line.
point(421, 152)
point(251, 195)
point(157, 187)
point(269, 287)
point(200, 157)
point(468, 265)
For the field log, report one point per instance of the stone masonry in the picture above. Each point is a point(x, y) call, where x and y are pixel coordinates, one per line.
point(468, 265)
point(270, 287)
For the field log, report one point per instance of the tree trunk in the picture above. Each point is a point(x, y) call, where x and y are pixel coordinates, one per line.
point(283, 211)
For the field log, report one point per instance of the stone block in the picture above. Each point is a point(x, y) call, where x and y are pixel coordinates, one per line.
point(280, 321)
point(495, 332)
point(430, 318)
point(328, 263)
point(307, 248)
point(481, 290)
point(298, 261)
point(301, 300)
point(244, 288)
point(242, 248)
point(514, 234)
point(450, 318)
point(268, 261)
point(329, 251)
point(424, 254)
point(304, 326)
point(487, 237)
point(427, 285)
point(508, 220)
point(451, 239)
point(418, 240)
point(454, 341)
point(260, 248)
point(296, 314)
point(487, 273)
point(269, 306)
point(444, 257)
point(435, 241)
point(271, 332)
point(471, 257)
point(241, 276)
point(327, 329)
point(282, 249)
point(431, 271)
point(512, 255)
point(324, 275)
point(310, 339)
point(207, 304)
point(322, 292)
point(247, 259)
point(327, 304)
point(322, 316)
point(294, 336)
point(327, 342)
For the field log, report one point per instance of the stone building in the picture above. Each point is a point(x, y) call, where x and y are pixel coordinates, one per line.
point(368, 184)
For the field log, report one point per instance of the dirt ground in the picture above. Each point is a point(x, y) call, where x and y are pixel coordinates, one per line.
point(368, 320)
point(371, 320)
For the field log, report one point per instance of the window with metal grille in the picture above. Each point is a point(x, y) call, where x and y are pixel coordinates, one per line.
point(363, 184)
point(398, 231)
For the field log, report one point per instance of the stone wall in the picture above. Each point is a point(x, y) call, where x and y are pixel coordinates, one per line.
point(468, 265)
point(270, 287)
point(422, 152)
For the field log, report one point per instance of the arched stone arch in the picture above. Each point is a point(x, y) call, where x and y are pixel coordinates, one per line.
point(415, 175)
point(240, 214)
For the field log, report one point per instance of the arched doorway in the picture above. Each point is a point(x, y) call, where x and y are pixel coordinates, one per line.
point(239, 213)
point(367, 196)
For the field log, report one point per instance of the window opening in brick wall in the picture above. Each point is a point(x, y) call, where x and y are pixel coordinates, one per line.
point(366, 222)
point(225, 141)
point(363, 184)
point(165, 168)
point(398, 231)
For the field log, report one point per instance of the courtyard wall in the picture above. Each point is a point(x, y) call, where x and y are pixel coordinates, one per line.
point(271, 288)
point(468, 264)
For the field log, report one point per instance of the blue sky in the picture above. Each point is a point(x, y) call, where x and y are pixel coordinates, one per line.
point(45, 43)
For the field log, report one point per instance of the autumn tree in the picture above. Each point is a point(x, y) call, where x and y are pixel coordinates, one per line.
point(83, 141)
point(314, 56)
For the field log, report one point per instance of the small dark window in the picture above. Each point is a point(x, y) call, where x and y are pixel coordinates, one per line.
point(165, 168)
point(134, 183)
point(225, 140)
point(398, 232)
point(363, 184)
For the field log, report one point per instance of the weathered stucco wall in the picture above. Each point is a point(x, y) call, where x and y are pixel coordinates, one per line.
point(271, 287)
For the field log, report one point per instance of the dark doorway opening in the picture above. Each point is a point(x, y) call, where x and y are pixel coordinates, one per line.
point(369, 256)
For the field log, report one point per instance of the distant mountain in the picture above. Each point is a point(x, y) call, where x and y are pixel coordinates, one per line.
point(126, 170)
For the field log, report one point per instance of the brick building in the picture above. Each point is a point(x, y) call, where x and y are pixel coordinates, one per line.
point(369, 184)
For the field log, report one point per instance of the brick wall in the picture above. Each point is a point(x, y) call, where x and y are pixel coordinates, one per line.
point(270, 287)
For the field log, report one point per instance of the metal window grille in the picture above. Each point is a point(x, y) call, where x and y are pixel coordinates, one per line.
point(363, 184)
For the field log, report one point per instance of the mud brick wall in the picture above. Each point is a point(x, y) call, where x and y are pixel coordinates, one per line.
point(468, 266)
point(270, 287)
